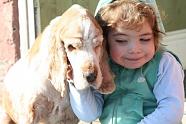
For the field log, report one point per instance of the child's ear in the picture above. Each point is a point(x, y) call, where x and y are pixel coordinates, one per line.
point(108, 84)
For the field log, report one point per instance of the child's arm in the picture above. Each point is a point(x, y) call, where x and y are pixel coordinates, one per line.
point(86, 104)
point(169, 92)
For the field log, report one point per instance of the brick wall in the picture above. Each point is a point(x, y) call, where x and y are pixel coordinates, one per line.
point(9, 36)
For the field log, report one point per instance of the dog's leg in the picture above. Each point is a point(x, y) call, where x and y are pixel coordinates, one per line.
point(4, 117)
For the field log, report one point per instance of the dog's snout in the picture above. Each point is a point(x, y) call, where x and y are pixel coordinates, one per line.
point(90, 71)
point(91, 77)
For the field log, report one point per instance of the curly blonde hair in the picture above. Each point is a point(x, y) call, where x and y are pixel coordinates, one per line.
point(130, 14)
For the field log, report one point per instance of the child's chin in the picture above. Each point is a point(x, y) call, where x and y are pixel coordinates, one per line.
point(133, 66)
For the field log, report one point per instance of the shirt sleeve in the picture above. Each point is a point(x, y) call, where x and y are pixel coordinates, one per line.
point(169, 92)
point(86, 104)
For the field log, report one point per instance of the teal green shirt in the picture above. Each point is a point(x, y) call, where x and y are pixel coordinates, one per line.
point(133, 98)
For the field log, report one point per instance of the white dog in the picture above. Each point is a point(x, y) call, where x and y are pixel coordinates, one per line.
point(70, 48)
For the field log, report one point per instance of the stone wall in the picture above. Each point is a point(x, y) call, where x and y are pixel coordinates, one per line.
point(9, 36)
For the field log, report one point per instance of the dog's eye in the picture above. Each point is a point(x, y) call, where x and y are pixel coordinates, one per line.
point(71, 47)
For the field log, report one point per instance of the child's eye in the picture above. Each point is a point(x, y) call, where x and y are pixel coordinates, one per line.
point(145, 40)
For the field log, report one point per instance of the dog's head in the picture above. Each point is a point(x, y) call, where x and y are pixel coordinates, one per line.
point(77, 51)
point(82, 38)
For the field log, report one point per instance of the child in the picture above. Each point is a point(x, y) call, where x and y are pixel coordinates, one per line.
point(149, 80)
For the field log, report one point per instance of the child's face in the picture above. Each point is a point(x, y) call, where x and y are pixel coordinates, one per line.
point(131, 48)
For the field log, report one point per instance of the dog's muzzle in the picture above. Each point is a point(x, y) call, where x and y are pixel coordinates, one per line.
point(90, 72)
point(91, 77)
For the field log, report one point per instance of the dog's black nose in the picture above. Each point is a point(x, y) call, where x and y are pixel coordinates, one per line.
point(91, 77)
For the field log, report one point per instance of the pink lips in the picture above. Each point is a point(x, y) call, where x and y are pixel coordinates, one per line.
point(133, 59)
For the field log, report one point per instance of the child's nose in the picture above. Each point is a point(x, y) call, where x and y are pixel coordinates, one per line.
point(134, 47)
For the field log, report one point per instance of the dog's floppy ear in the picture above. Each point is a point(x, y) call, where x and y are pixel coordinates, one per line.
point(108, 85)
point(58, 66)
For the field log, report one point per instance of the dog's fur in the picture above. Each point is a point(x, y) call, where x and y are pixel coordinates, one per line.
point(70, 48)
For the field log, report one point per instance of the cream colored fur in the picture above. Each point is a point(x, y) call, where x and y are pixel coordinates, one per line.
point(36, 88)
